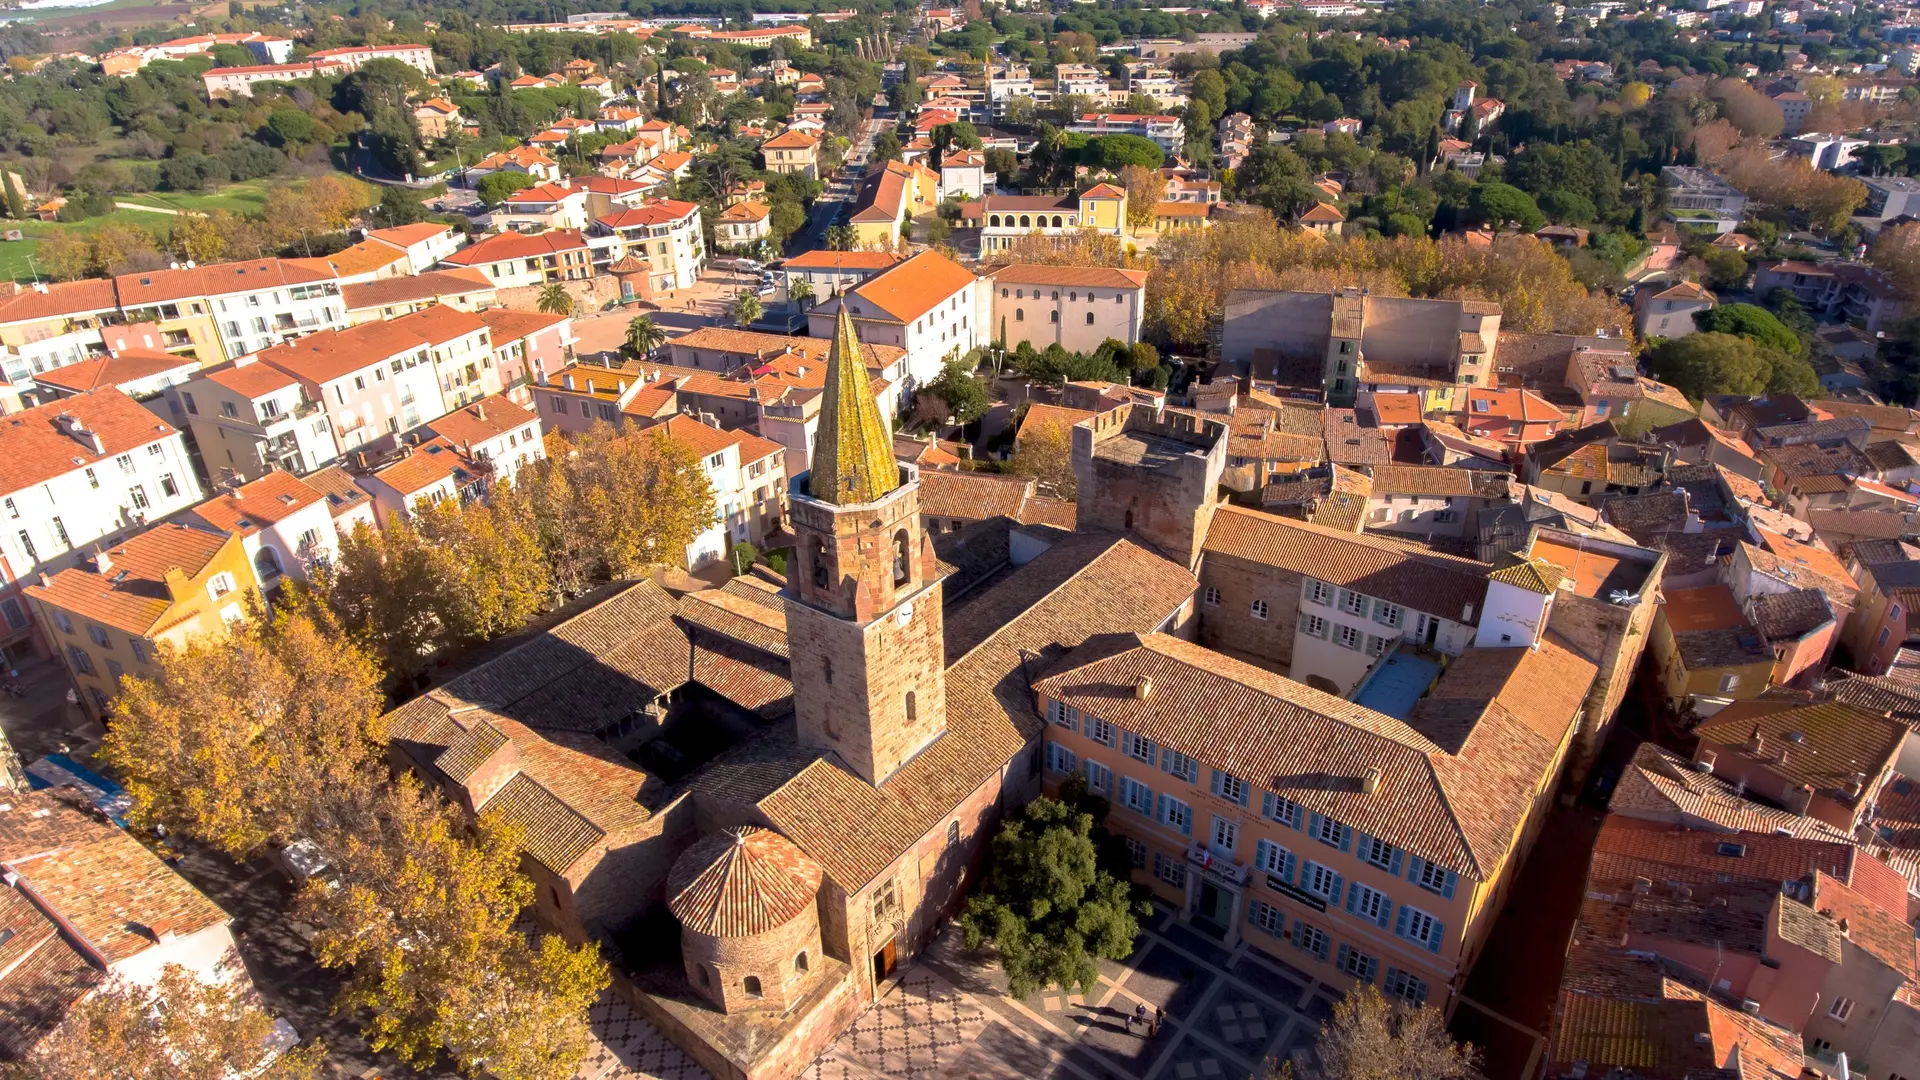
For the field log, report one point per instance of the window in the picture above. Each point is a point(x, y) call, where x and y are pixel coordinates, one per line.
point(99, 636)
point(220, 585)
point(1321, 881)
point(138, 493)
point(1433, 877)
point(1136, 851)
point(26, 545)
point(1357, 964)
point(1226, 835)
point(1099, 778)
point(1330, 832)
point(1060, 759)
point(1388, 614)
point(1353, 603)
point(1136, 796)
point(66, 624)
point(1100, 731)
point(1171, 871)
point(1840, 1009)
point(1349, 638)
point(1174, 763)
point(1313, 626)
point(1176, 815)
point(1320, 592)
point(1019, 314)
point(139, 649)
point(1211, 597)
point(1266, 917)
point(1138, 747)
point(1404, 987)
point(1053, 316)
point(953, 833)
point(12, 510)
point(92, 480)
point(82, 663)
point(1230, 787)
point(1284, 811)
point(125, 461)
point(1065, 715)
point(1420, 928)
point(1379, 853)
point(1376, 645)
point(1311, 939)
point(751, 984)
point(1732, 682)
point(1369, 903)
point(1273, 859)
point(799, 962)
point(168, 487)
point(60, 530)
point(1259, 609)
point(1089, 318)
point(912, 712)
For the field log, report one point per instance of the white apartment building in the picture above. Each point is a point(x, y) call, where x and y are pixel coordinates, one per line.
point(284, 523)
point(928, 305)
point(250, 419)
point(418, 57)
point(1082, 79)
point(425, 243)
point(665, 232)
point(749, 479)
point(254, 305)
point(377, 380)
point(497, 431)
point(82, 471)
point(1168, 132)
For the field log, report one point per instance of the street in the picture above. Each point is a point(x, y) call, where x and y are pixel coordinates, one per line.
point(843, 187)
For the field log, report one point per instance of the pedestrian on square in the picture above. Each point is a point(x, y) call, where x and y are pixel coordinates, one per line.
point(1140, 1013)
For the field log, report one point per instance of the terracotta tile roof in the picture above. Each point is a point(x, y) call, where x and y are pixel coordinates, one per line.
point(1534, 575)
point(511, 245)
point(1630, 847)
point(652, 212)
point(849, 260)
point(1790, 616)
point(1887, 937)
point(389, 292)
point(746, 211)
point(1322, 213)
point(1660, 785)
point(1520, 406)
point(1829, 742)
point(768, 347)
point(971, 496)
point(34, 449)
point(132, 596)
point(1808, 459)
point(257, 504)
point(338, 486)
point(488, 418)
point(1103, 277)
point(1393, 570)
point(1460, 804)
point(741, 881)
point(365, 257)
point(45, 975)
point(327, 355)
point(790, 140)
point(127, 367)
point(705, 440)
point(1396, 408)
point(1439, 480)
point(426, 465)
point(911, 289)
point(1351, 444)
point(218, 279)
point(408, 235)
point(509, 324)
point(28, 303)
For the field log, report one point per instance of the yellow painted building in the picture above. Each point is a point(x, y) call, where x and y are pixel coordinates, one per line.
point(109, 617)
point(1706, 651)
point(892, 198)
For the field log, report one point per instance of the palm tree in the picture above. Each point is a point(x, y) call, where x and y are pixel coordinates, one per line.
point(554, 300)
point(840, 237)
point(644, 335)
point(800, 291)
point(747, 309)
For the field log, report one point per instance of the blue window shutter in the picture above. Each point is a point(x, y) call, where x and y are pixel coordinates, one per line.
point(1452, 880)
point(1267, 806)
point(1313, 825)
point(1386, 913)
point(1400, 924)
point(1346, 838)
point(1245, 794)
point(1334, 894)
point(1340, 960)
point(1287, 864)
point(1186, 827)
point(1435, 936)
point(1260, 854)
point(1359, 843)
point(1394, 868)
point(1160, 809)
point(1214, 784)
point(1413, 868)
point(1353, 900)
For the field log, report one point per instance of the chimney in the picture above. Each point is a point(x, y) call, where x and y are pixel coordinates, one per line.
point(1799, 798)
point(479, 411)
point(102, 562)
point(1143, 688)
point(1642, 885)
point(1707, 758)
point(1370, 783)
point(567, 380)
point(1856, 785)
point(1756, 745)
point(1845, 928)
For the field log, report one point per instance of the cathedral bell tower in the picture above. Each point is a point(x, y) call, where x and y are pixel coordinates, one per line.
point(864, 626)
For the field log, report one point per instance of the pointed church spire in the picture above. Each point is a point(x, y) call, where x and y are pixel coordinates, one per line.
point(852, 450)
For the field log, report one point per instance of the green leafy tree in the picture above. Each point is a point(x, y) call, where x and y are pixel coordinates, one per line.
point(1048, 907)
point(1499, 205)
point(16, 206)
point(886, 147)
point(1568, 207)
point(494, 187)
point(1714, 363)
point(289, 126)
point(1751, 321)
point(555, 300)
point(800, 291)
point(1116, 152)
point(964, 396)
point(643, 335)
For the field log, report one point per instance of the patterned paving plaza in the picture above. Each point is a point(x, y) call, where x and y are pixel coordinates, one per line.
point(1226, 1014)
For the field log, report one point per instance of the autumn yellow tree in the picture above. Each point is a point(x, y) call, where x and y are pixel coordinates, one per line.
point(178, 1028)
point(1143, 195)
point(1045, 453)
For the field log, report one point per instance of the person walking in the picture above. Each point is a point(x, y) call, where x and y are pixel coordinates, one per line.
point(1140, 1014)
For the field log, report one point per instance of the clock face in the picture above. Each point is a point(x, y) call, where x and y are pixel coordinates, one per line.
point(905, 614)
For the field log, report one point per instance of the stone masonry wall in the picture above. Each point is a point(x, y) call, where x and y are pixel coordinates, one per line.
point(1229, 625)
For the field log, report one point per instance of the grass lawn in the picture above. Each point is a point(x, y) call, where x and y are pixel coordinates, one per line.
point(249, 197)
point(243, 198)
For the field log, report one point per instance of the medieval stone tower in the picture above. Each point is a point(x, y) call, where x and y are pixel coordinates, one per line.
point(864, 625)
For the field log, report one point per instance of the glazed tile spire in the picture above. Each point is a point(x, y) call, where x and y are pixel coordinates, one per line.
point(852, 450)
